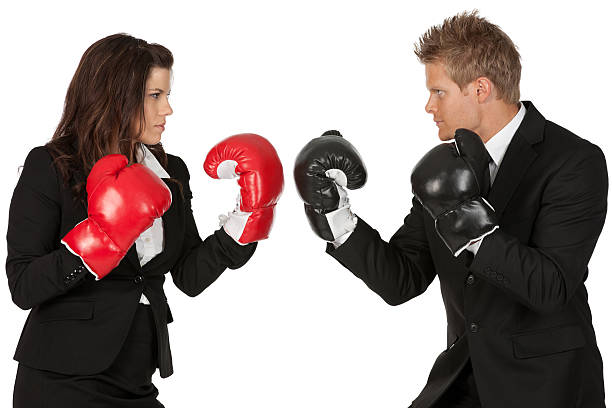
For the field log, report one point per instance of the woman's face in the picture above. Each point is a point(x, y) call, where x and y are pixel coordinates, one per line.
point(156, 105)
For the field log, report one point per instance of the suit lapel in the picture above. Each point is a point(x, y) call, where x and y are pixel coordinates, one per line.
point(169, 220)
point(518, 158)
point(132, 257)
point(516, 161)
point(168, 226)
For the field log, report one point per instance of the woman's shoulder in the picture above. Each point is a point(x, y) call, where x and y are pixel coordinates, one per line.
point(38, 171)
point(39, 161)
point(177, 167)
point(39, 154)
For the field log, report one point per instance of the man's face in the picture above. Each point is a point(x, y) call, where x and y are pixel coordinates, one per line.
point(451, 107)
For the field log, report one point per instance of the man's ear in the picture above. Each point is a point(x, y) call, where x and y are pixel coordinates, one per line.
point(484, 88)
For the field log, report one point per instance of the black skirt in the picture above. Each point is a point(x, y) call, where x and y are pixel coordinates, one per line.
point(125, 384)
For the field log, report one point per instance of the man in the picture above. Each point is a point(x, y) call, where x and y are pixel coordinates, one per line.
point(519, 323)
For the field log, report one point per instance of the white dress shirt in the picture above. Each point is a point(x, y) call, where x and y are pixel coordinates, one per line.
point(151, 241)
point(497, 146)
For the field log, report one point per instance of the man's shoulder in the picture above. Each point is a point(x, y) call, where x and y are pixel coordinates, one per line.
point(553, 138)
point(564, 143)
point(567, 154)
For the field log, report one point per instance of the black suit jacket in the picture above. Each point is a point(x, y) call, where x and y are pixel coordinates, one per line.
point(77, 325)
point(519, 310)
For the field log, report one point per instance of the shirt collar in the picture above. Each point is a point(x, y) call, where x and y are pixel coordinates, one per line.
point(498, 144)
point(150, 161)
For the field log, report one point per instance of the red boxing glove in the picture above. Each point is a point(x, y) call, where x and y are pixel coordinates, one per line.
point(122, 202)
point(255, 161)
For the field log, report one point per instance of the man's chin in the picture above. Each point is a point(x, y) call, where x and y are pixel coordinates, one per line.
point(444, 135)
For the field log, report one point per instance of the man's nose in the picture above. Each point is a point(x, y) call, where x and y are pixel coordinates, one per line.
point(430, 106)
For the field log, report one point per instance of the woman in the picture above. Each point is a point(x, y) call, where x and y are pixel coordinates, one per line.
point(93, 338)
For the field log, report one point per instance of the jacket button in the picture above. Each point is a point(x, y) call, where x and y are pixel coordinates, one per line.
point(474, 327)
point(138, 279)
point(470, 279)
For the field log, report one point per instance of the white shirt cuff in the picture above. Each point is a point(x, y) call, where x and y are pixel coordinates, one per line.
point(342, 238)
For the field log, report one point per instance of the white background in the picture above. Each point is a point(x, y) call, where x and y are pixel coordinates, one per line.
point(293, 328)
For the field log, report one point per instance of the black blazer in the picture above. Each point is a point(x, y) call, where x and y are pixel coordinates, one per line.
point(519, 310)
point(77, 325)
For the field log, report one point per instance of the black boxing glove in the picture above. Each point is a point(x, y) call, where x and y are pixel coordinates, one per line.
point(323, 169)
point(451, 181)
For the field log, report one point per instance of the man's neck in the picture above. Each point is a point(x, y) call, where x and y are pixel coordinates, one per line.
point(495, 118)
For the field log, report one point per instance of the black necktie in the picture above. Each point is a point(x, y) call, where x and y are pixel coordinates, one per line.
point(468, 256)
point(487, 178)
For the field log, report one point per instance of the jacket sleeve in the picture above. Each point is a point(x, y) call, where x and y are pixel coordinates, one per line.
point(545, 274)
point(38, 267)
point(202, 262)
point(398, 270)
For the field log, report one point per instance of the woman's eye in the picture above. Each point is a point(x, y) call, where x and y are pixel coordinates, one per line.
point(155, 95)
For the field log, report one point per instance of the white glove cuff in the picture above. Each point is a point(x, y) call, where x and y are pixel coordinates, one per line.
point(234, 224)
point(341, 221)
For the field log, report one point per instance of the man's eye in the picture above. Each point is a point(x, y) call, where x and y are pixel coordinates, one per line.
point(438, 92)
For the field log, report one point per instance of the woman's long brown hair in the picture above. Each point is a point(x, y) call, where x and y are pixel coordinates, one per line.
point(104, 105)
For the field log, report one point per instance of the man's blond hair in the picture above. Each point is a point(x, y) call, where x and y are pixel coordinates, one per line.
point(470, 47)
